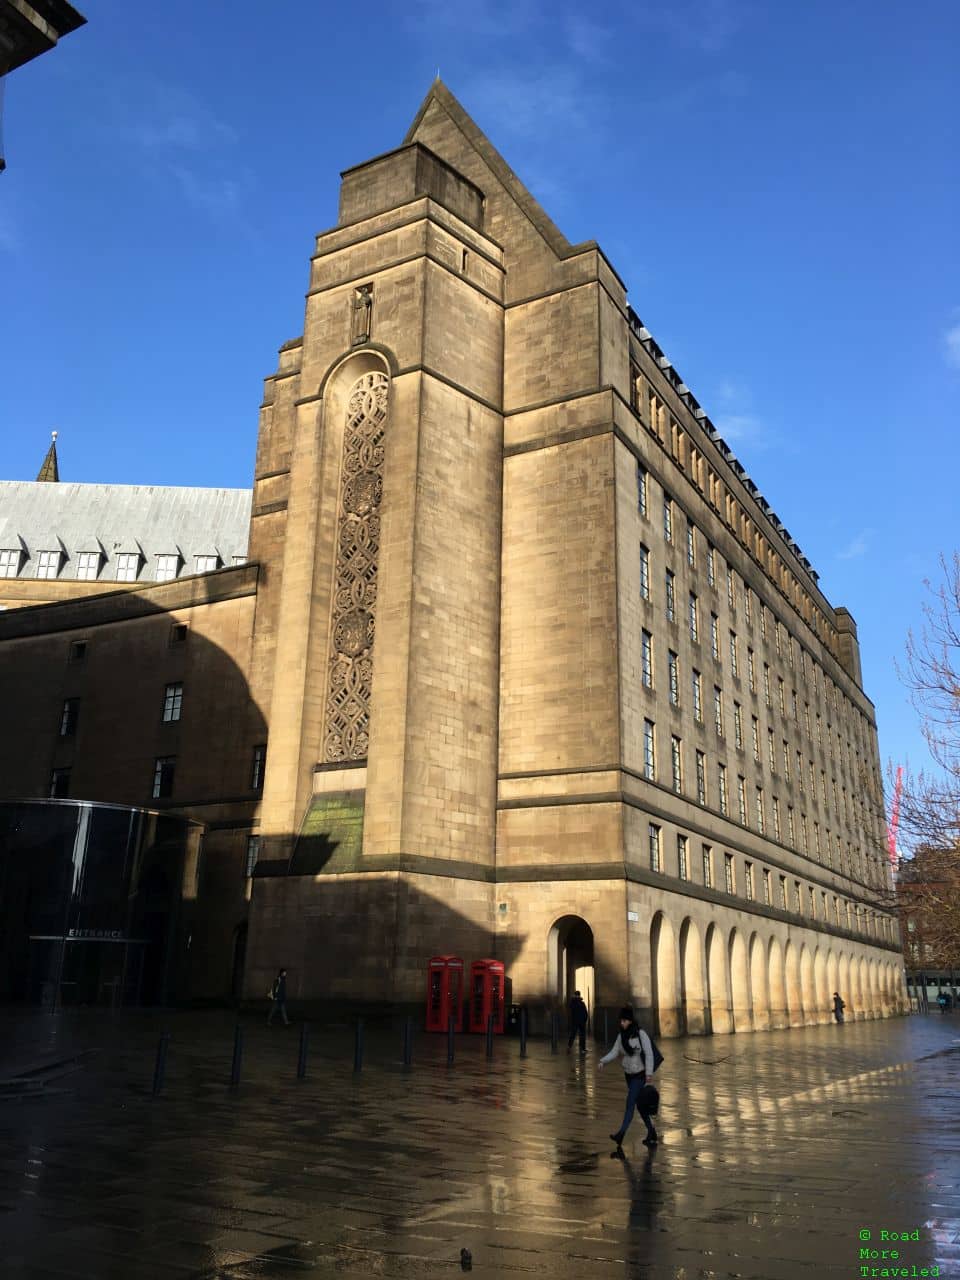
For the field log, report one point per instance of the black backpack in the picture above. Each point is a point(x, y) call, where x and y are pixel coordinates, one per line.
point(657, 1055)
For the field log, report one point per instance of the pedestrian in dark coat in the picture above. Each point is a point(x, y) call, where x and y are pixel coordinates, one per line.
point(579, 1017)
point(635, 1048)
point(838, 1007)
point(278, 998)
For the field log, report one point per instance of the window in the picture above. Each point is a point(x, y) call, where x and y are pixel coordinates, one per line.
point(59, 784)
point(813, 904)
point(697, 697)
point(667, 517)
point(163, 776)
point(654, 837)
point(178, 633)
point(747, 603)
point(776, 818)
point(701, 779)
point(800, 772)
point(755, 731)
point(816, 841)
point(641, 490)
point(748, 881)
point(742, 799)
point(644, 573)
point(128, 566)
point(673, 673)
point(691, 544)
point(676, 763)
point(766, 683)
point(69, 717)
point(239, 560)
point(711, 567)
point(738, 726)
point(803, 832)
point(731, 588)
point(791, 826)
point(771, 752)
point(707, 866)
point(766, 886)
point(257, 767)
point(763, 622)
point(167, 567)
point(48, 564)
point(88, 565)
point(751, 672)
point(760, 822)
point(776, 637)
point(207, 564)
point(734, 654)
point(722, 787)
point(715, 636)
point(172, 702)
point(786, 760)
point(10, 562)
point(729, 880)
point(718, 709)
point(793, 704)
point(682, 857)
point(671, 598)
point(694, 618)
point(78, 651)
point(797, 900)
point(780, 696)
point(253, 853)
point(819, 731)
point(646, 659)
point(783, 893)
point(836, 908)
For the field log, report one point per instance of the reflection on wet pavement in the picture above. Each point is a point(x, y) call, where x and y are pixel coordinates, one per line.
point(777, 1150)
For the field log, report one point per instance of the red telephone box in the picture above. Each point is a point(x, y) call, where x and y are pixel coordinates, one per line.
point(444, 991)
point(486, 995)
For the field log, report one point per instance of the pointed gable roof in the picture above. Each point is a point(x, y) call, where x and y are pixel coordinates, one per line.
point(440, 101)
point(50, 471)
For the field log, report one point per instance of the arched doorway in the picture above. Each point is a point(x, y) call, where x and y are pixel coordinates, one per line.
point(570, 961)
point(794, 997)
point(758, 985)
point(820, 986)
point(808, 991)
point(666, 1001)
point(740, 983)
point(779, 1013)
point(692, 993)
point(718, 1000)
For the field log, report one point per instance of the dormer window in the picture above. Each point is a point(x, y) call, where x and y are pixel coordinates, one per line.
point(128, 566)
point(10, 562)
point(207, 564)
point(168, 566)
point(48, 564)
point(88, 565)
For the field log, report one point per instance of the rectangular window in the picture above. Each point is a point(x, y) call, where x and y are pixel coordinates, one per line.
point(797, 900)
point(707, 866)
point(786, 760)
point(738, 726)
point(755, 731)
point(78, 651)
point(694, 618)
point(257, 766)
point(763, 622)
point(718, 709)
point(682, 857)
point(816, 842)
point(748, 881)
point(836, 907)
point(803, 832)
point(10, 562)
point(670, 597)
point(172, 702)
point(766, 887)
point(771, 752)
point(766, 683)
point(649, 751)
point(207, 564)
point(641, 490)
point(697, 697)
point(715, 636)
point(729, 880)
point(644, 574)
point(701, 779)
point(253, 853)
point(711, 567)
point(731, 588)
point(734, 654)
point(791, 827)
point(673, 669)
point(776, 637)
point(59, 784)
point(646, 659)
point(776, 818)
point(239, 560)
point(163, 770)
point(747, 603)
point(48, 564)
point(783, 893)
point(742, 799)
point(167, 567)
point(654, 837)
point(780, 696)
point(760, 820)
point(667, 518)
point(128, 566)
point(88, 565)
point(819, 731)
point(813, 903)
point(69, 717)
point(722, 787)
point(178, 633)
point(793, 704)
point(676, 763)
point(751, 672)
point(691, 544)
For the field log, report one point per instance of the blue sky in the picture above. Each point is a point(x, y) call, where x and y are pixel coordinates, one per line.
point(776, 184)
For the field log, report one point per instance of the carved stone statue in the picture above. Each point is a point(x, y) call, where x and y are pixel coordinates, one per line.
point(362, 308)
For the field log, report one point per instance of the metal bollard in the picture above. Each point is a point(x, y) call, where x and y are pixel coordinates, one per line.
point(450, 1041)
point(554, 1032)
point(237, 1057)
point(358, 1047)
point(302, 1059)
point(408, 1042)
point(523, 1032)
point(160, 1067)
point(489, 1036)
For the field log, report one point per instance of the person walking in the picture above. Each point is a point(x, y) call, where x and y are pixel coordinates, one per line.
point(942, 999)
point(579, 1017)
point(838, 1007)
point(635, 1048)
point(278, 998)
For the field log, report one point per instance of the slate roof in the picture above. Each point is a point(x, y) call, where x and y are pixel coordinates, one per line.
point(153, 520)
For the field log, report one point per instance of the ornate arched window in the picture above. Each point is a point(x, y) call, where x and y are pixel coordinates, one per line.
point(355, 584)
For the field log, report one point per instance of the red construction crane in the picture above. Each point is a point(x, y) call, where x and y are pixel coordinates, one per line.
point(895, 817)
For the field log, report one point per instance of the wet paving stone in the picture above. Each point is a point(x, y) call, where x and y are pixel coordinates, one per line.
point(777, 1150)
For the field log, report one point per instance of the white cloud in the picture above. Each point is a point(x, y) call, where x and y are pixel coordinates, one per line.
point(951, 346)
point(857, 546)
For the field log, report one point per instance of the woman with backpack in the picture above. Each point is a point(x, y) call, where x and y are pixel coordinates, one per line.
point(636, 1049)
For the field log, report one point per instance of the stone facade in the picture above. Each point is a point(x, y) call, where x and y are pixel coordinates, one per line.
point(494, 729)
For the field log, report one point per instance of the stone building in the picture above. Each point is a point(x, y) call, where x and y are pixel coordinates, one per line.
point(541, 674)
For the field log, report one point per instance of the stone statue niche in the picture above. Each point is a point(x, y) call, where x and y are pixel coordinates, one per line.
point(361, 314)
